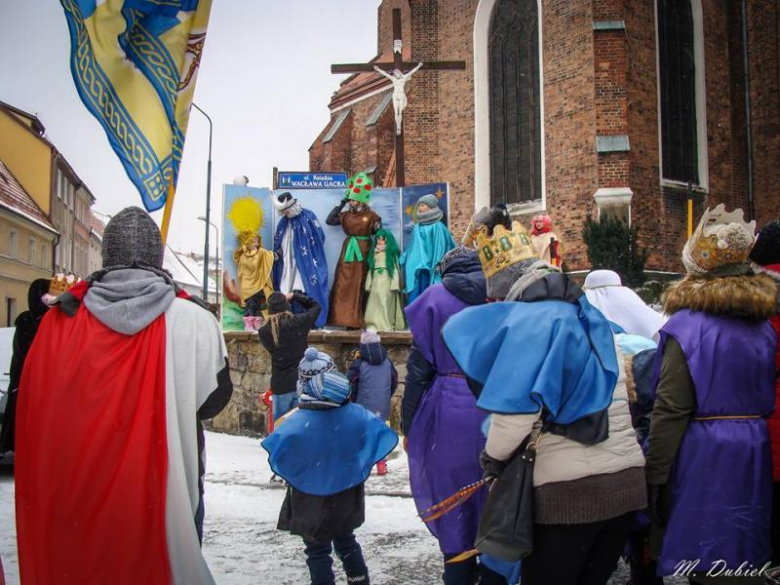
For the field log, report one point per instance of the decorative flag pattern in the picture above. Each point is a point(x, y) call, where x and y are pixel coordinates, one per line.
point(135, 63)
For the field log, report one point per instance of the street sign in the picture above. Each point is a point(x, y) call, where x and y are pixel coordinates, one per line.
point(312, 180)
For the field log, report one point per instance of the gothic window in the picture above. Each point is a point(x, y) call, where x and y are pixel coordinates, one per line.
point(515, 116)
point(677, 71)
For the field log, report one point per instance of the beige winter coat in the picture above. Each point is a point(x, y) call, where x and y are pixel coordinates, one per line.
point(560, 459)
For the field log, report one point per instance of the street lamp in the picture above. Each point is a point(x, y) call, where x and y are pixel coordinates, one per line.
point(207, 219)
point(216, 282)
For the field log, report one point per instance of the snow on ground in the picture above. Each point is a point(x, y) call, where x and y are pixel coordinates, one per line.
point(242, 545)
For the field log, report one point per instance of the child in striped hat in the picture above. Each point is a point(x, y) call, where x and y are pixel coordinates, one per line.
point(325, 452)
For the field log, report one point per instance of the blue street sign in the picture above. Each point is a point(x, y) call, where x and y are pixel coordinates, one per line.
point(312, 180)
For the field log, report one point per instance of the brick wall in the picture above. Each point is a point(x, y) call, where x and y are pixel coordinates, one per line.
point(570, 120)
point(647, 207)
point(421, 119)
point(610, 65)
point(456, 111)
point(385, 24)
point(595, 83)
point(357, 147)
point(763, 24)
point(335, 155)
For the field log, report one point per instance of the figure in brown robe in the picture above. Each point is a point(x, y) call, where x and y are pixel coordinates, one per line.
point(359, 222)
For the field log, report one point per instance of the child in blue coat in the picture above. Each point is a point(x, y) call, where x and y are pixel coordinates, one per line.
point(374, 380)
point(325, 452)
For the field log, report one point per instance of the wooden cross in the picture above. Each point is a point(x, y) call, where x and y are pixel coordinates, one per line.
point(398, 65)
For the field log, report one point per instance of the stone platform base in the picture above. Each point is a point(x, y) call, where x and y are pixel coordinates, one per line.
point(250, 370)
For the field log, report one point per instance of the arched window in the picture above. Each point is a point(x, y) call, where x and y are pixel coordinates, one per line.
point(515, 112)
point(679, 64)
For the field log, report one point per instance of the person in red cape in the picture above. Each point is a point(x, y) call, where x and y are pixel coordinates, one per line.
point(765, 258)
point(108, 458)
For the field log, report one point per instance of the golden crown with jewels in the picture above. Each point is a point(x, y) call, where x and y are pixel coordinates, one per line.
point(503, 249)
point(61, 284)
point(720, 239)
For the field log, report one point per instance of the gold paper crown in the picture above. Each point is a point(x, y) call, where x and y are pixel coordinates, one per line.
point(61, 284)
point(720, 239)
point(503, 249)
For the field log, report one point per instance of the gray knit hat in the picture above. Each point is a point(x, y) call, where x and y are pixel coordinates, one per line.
point(314, 362)
point(430, 200)
point(370, 336)
point(132, 238)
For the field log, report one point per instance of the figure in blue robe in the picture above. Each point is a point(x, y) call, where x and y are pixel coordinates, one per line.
point(300, 246)
point(430, 241)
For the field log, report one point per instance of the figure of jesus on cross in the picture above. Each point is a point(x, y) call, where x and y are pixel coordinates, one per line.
point(399, 79)
point(395, 73)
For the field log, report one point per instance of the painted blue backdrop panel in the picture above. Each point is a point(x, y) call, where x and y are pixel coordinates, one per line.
point(409, 197)
point(394, 206)
point(385, 202)
point(230, 194)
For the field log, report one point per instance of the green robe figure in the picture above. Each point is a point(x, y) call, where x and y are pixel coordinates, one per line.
point(385, 308)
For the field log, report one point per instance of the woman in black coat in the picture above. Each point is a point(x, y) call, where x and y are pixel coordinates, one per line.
point(26, 327)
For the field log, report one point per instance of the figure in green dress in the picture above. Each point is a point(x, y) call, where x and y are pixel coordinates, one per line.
point(385, 308)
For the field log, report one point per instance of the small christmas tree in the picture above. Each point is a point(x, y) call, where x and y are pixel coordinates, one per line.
point(612, 245)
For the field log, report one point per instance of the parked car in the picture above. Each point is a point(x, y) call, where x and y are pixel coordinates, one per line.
point(6, 351)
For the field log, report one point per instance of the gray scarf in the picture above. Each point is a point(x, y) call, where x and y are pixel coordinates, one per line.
point(428, 217)
point(537, 271)
point(128, 300)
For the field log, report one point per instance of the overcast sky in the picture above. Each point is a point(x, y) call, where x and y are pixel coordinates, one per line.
point(265, 81)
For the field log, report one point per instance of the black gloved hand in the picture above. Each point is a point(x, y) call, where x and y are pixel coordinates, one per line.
point(492, 467)
point(658, 505)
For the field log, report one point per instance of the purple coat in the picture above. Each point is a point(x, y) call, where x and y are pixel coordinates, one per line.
point(722, 477)
point(445, 438)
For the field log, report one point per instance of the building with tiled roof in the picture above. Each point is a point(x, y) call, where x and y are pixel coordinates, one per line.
point(27, 241)
point(95, 256)
point(51, 182)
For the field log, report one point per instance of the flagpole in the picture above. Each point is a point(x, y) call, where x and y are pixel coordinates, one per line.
point(167, 213)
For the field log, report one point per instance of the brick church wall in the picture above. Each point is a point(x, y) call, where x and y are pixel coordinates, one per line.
point(660, 212)
point(611, 90)
point(363, 145)
point(601, 83)
point(456, 114)
point(721, 114)
point(763, 24)
point(421, 121)
point(335, 155)
point(649, 213)
point(569, 120)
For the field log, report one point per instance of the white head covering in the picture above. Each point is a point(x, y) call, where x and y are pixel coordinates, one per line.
point(621, 305)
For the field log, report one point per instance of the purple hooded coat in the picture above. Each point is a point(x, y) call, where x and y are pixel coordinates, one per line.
point(445, 440)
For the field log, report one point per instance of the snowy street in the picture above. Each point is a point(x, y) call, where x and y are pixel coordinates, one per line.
point(242, 545)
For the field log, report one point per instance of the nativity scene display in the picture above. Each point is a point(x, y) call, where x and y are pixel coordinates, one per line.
point(363, 254)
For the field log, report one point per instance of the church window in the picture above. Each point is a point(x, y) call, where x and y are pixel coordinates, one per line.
point(681, 136)
point(515, 103)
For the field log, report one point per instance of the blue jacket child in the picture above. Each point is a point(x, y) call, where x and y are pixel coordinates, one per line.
point(325, 451)
point(373, 376)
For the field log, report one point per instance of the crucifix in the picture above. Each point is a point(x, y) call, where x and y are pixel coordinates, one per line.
point(395, 73)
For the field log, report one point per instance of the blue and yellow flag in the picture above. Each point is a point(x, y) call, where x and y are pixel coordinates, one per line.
point(135, 63)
